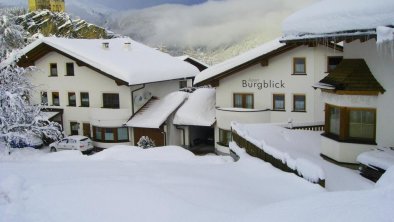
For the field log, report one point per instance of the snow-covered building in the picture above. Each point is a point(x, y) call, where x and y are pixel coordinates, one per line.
point(269, 84)
point(98, 85)
point(359, 94)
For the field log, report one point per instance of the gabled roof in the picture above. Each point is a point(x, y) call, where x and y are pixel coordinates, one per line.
point(241, 61)
point(352, 75)
point(158, 111)
point(198, 110)
point(126, 61)
point(338, 20)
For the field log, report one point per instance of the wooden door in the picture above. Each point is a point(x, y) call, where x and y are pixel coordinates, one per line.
point(86, 130)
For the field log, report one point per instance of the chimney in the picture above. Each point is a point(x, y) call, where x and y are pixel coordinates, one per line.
point(105, 45)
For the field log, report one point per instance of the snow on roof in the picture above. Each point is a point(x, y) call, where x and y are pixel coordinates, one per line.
point(382, 158)
point(158, 111)
point(124, 59)
point(198, 110)
point(47, 115)
point(332, 16)
point(238, 60)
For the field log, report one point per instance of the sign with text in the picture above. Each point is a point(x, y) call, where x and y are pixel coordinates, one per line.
point(263, 84)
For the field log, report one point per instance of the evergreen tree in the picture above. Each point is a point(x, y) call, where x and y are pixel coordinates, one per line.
point(146, 142)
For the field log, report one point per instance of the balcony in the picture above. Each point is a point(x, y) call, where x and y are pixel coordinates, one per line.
point(109, 117)
point(224, 116)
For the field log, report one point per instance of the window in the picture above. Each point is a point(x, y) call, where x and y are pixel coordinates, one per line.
point(53, 69)
point(111, 100)
point(85, 99)
point(44, 98)
point(243, 100)
point(279, 102)
point(74, 126)
point(299, 103)
point(55, 99)
point(299, 66)
point(182, 84)
point(70, 69)
point(332, 62)
point(72, 100)
point(335, 115)
point(351, 124)
point(111, 135)
point(362, 124)
point(224, 137)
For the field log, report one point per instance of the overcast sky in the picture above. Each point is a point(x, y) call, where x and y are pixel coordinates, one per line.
point(137, 4)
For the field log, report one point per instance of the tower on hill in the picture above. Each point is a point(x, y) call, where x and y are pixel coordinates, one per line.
point(52, 5)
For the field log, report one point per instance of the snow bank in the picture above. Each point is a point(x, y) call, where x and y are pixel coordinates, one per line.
point(381, 157)
point(132, 153)
point(62, 156)
point(293, 148)
point(198, 110)
point(330, 16)
point(387, 179)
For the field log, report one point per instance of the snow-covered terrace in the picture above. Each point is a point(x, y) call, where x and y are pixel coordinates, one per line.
point(338, 20)
point(300, 150)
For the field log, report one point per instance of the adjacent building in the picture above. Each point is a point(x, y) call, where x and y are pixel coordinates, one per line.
point(269, 84)
point(358, 94)
point(94, 87)
point(52, 5)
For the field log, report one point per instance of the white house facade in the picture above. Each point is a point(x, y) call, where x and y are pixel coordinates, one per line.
point(358, 101)
point(97, 85)
point(270, 84)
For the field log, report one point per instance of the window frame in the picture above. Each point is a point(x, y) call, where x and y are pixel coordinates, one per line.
point(70, 72)
point(294, 66)
point(53, 98)
point(42, 96)
point(243, 99)
point(102, 131)
point(52, 67)
point(294, 103)
point(81, 99)
point(344, 125)
point(111, 105)
point(273, 101)
point(182, 84)
point(69, 95)
point(72, 132)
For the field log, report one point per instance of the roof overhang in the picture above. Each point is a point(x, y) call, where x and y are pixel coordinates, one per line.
point(30, 57)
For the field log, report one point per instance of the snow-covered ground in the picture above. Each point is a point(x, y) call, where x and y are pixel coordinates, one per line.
point(171, 184)
point(300, 150)
point(131, 184)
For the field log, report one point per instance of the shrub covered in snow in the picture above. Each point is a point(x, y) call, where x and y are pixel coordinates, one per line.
point(146, 142)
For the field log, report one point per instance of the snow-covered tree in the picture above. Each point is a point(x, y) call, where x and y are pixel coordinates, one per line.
point(12, 36)
point(146, 142)
point(19, 118)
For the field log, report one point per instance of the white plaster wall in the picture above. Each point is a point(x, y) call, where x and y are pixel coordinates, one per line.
point(343, 152)
point(381, 65)
point(280, 68)
point(85, 80)
point(356, 101)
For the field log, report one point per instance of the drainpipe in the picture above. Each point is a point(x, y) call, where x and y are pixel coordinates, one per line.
point(183, 134)
point(132, 97)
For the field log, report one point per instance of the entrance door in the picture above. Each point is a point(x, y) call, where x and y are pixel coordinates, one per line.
point(155, 134)
point(86, 130)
